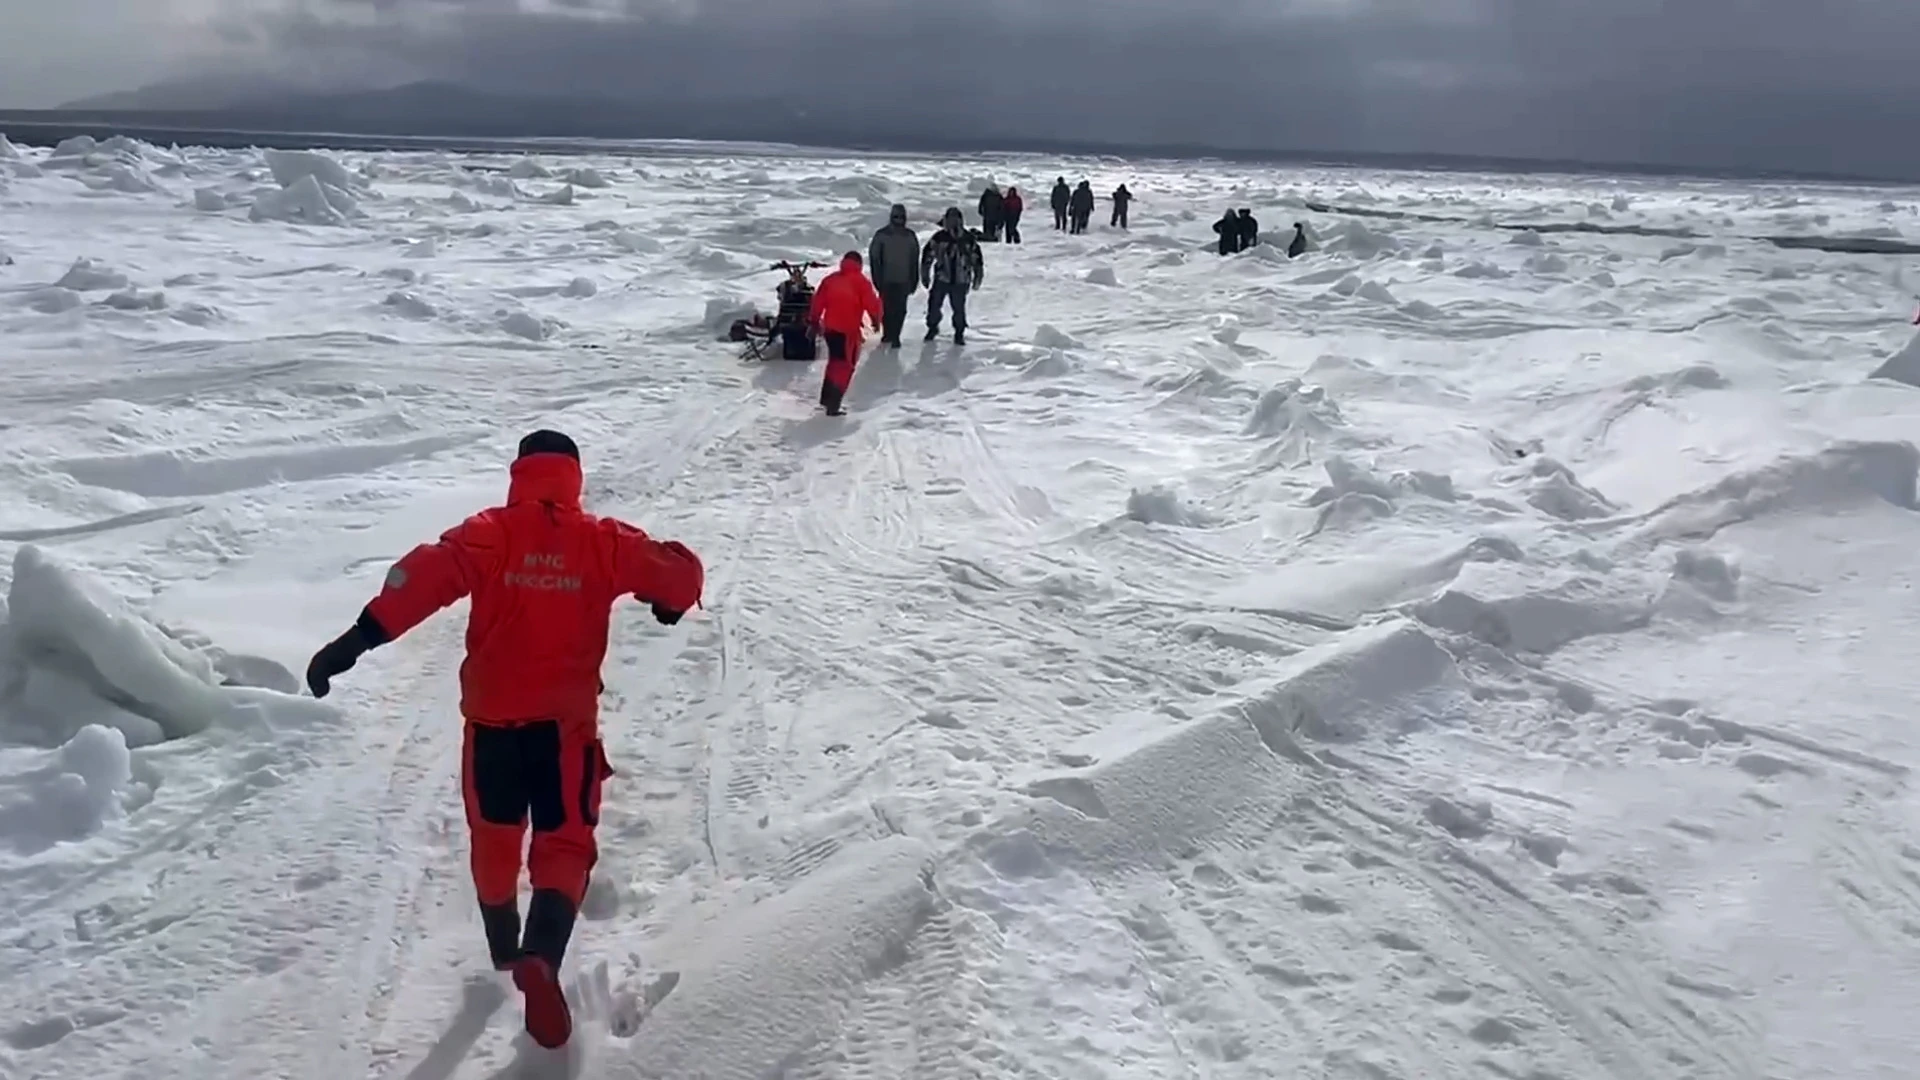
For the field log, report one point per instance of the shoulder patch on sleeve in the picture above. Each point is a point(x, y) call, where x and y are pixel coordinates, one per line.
point(396, 577)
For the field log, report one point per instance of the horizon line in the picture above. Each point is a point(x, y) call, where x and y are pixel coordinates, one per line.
point(229, 129)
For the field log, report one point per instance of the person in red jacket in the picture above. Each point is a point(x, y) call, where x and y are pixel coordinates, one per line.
point(543, 575)
point(842, 305)
point(1011, 207)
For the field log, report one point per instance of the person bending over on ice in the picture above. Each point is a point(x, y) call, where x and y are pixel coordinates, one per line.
point(894, 260)
point(543, 575)
point(952, 266)
point(842, 305)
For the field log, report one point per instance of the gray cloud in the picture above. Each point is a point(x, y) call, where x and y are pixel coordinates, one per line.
point(1757, 83)
point(54, 50)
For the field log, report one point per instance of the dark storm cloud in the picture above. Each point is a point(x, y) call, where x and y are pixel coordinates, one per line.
point(1827, 85)
point(1745, 82)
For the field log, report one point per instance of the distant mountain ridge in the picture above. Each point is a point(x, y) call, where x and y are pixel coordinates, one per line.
point(214, 91)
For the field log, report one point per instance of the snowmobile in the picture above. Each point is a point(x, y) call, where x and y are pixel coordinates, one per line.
point(788, 326)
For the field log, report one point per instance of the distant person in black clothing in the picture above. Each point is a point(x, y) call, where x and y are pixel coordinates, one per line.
point(1062, 196)
point(1229, 229)
point(1299, 245)
point(1121, 197)
point(1249, 231)
point(1080, 209)
point(992, 213)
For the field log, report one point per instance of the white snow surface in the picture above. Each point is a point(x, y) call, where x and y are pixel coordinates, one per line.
point(1461, 652)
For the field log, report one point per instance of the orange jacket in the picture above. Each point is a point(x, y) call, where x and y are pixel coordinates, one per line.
point(842, 298)
point(543, 575)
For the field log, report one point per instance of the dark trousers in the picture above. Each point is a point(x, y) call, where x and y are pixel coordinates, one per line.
point(1079, 224)
point(946, 294)
point(1059, 217)
point(548, 775)
point(893, 312)
point(1013, 228)
point(1119, 215)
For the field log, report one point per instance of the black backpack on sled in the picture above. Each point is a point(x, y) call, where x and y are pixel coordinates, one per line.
point(797, 341)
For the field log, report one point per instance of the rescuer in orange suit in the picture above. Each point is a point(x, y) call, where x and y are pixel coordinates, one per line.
point(543, 575)
point(842, 305)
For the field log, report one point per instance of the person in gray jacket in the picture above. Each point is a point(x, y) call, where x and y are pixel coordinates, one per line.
point(893, 261)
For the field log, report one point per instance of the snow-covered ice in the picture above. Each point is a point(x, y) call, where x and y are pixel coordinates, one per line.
point(1466, 651)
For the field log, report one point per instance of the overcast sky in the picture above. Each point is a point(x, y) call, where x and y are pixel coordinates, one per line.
point(1809, 84)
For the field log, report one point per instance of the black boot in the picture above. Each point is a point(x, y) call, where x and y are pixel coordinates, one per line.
point(932, 332)
point(550, 918)
point(959, 337)
point(502, 923)
point(830, 397)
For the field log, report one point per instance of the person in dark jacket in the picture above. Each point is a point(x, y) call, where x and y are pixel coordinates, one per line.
point(893, 261)
point(1121, 198)
point(1080, 209)
point(1249, 231)
point(992, 212)
point(952, 266)
point(1299, 245)
point(1062, 195)
point(1011, 207)
point(1229, 229)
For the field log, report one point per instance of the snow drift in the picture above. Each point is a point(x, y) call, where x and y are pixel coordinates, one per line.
point(54, 796)
point(770, 982)
point(73, 657)
point(85, 683)
point(1846, 472)
point(1526, 609)
point(1234, 769)
point(1903, 366)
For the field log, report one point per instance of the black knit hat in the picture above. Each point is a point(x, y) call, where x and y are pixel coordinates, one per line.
point(548, 442)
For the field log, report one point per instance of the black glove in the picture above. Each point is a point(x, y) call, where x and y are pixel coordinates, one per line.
point(335, 657)
point(667, 615)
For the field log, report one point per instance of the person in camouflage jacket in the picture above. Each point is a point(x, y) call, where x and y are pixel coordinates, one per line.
point(952, 266)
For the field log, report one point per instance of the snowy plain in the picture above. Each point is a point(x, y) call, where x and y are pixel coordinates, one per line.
point(1465, 651)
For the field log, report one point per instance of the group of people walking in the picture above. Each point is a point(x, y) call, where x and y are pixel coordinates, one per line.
point(876, 289)
point(952, 266)
point(1072, 210)
point(1073, 207)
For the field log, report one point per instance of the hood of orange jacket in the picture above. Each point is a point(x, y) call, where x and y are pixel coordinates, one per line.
point(547, 478)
